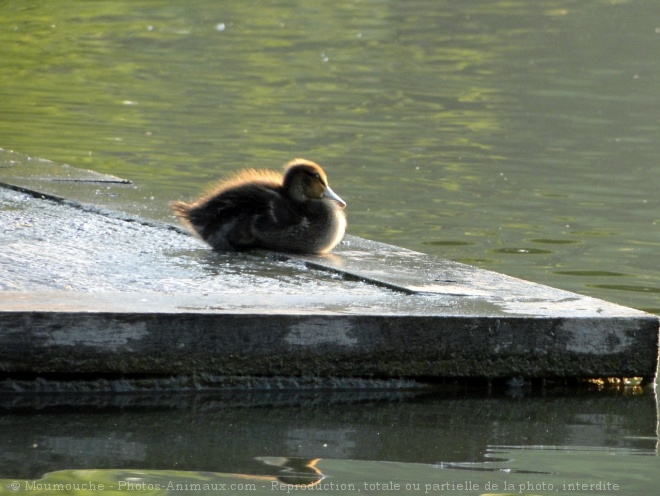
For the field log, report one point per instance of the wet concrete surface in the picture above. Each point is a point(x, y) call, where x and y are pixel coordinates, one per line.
point(54, 246)
point(89, 288)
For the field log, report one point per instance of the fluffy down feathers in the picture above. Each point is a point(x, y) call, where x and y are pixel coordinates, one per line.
point(297, 212)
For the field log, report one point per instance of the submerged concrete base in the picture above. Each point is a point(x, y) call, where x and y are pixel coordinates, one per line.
point(89, 293)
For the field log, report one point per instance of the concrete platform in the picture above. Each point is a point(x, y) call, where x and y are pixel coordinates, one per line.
point(89, 291)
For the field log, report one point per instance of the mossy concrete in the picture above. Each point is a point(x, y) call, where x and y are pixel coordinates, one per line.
point(292, 344)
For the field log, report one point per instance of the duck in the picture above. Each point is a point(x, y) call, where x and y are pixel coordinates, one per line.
point(294, 212)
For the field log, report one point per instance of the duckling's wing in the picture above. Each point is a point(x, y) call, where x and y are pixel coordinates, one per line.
point(219, 213)
point(281, 214)
point(247, 216)
point(248, 199)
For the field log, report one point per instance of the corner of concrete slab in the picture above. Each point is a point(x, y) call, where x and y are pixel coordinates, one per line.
point(409, 317)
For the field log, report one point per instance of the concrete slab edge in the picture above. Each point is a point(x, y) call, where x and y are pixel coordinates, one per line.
point(607, 340)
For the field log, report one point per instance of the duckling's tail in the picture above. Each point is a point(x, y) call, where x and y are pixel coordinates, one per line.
point(180, 209)
point(185, 212)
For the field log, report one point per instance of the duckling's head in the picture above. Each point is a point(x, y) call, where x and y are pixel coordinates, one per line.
point(304, 180)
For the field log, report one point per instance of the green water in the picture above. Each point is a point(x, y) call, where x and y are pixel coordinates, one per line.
point(367, 442)
point(515, 135)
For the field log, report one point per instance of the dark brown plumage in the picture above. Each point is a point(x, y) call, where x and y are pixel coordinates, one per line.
point(297, 212)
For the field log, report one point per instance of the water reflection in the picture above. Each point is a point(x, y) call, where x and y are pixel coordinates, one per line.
point(232, 432)
point(296, 471)
point(521, 251)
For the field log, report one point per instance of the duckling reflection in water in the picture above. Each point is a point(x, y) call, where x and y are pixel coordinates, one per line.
point(295, 212)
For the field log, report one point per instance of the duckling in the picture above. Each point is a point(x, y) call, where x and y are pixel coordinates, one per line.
point(297, 212)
